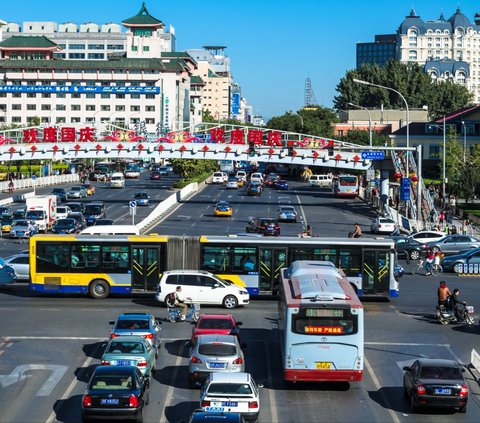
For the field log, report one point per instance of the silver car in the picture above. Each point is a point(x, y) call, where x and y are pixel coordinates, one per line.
point(453, 244)
point(214, 353)
point(77, 191)
point(20, 263)
point(287, 213)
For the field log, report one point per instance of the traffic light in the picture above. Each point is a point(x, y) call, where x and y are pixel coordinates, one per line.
point(251, 147)
point(331, 147)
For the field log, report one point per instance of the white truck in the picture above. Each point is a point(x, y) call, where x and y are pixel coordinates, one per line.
point(42, 211)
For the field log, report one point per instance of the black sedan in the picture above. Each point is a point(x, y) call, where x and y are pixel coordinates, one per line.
point(409, 248)
point(114, 393)
point(435, 383)
point(456, 263)
point(264, 225)
point(65, 226)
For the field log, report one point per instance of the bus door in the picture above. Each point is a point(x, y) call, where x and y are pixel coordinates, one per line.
point(145, 267)
point(375, 272)
point(271, 261)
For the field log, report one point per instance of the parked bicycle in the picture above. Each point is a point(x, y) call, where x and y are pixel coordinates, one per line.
point(420, 269)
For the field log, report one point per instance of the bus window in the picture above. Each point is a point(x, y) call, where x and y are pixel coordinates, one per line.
point(327, 254)
point(350, 262)
point(115, 257)
point(53, 258)
point(86, 257)
point(216, 259)
point(245, 260)
point(300, 254)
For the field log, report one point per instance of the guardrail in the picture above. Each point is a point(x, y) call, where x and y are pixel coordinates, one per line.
point(19, 184)
point(166, 205)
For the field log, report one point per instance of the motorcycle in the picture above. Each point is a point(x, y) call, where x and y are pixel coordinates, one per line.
point(446, 315)
point(174, 313)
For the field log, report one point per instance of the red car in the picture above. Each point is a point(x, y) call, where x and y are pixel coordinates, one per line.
point(155, 176)
point(216, 324)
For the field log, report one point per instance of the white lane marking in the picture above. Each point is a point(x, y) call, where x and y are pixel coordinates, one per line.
point(407, 344)
point(61, 338)
point(376, 382)
point(172, 381)
point(17, 375)
point(271, 397)
point(302, 212)
point(51, 418)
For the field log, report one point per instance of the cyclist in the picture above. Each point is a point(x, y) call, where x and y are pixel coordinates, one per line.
point(429, 261)
point(180, 302)
point(442, 294)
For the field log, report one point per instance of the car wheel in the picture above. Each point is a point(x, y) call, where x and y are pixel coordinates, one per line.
point(99, 289)
point(140, 416)
point(462, 409)
point(414, 255)
point(230, 301)
point(458, 267)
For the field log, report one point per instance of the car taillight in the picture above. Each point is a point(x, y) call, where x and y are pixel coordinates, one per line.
point(142, 363)
point(133, 401)
point(252, 404)
point(113, 335)
point(420, 389)
point(205, 403)
point(148, 336)
point(195, 359)
point(379, 225)
point(239, 360)
point(87, 401)
point(105, 363)
point(464, 390)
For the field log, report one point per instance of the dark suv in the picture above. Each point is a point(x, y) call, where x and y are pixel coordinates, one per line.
point(93, 212)
point(264, 226)
point(254, 188)
point(80, 221)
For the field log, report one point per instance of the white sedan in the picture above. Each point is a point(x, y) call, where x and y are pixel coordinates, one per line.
point(382, 225)
point(427, 236)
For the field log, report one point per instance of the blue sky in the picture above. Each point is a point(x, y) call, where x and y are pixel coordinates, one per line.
point(273, 45)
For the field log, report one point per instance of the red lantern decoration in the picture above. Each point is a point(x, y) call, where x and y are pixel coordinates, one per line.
point(398, 175)
point(414, 178)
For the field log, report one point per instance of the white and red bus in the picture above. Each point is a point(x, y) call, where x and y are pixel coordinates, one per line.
point(345, 186)
point(321, 324)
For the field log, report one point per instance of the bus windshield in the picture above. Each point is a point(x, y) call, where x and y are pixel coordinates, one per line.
point(347, 180)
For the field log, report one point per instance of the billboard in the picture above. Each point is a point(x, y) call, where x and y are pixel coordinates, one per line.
point(75, 89)
point(235, 104)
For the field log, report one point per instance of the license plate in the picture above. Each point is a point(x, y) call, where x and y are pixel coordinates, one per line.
point(109, 401)
point(124, 363)
point(323, 365)
point(217, 365)
point(443, 391)
point(230, 404)
point(214, 409)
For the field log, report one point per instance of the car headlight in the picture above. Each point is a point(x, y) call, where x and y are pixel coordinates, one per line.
point(243, 292)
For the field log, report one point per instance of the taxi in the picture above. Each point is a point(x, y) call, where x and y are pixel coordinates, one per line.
point(222, 208)
point(90, 188)
point(7, 223)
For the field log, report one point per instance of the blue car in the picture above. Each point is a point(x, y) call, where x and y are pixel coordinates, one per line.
point(7, 274)
point(456, 262)
point(142, 198)
point(282, 184)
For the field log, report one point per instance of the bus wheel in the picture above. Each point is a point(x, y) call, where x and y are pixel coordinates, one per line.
point(99, 289)
point(230, 301)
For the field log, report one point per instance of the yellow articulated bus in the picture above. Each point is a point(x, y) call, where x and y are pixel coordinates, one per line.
point(100, 265)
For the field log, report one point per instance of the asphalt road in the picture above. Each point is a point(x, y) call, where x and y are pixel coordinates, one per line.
point(49, 345)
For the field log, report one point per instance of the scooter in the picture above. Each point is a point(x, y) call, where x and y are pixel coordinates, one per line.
point(446, 316)
point(174, 314)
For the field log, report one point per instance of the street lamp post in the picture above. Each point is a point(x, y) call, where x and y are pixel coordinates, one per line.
point(295, 113)
point(369, 120)
point(360, 81)
point(444, 160)
point(464, 141)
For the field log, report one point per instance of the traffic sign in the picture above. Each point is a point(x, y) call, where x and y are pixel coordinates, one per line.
point(133, 204)
point(405, 189)
point(373, 155)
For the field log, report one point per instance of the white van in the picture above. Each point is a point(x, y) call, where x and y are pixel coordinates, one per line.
point(111, 230)
point(257, 176)
point(217, 178)
point(117, 180)
point(202, 287)
point(241, 174)
point(324, 181)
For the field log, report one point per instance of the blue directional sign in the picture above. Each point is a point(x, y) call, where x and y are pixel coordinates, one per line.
point(405, 189)
point(133, 204)
point(373, 155)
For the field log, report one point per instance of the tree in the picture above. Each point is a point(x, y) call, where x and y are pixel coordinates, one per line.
point(188, 168)
point(363, 138)
point(410, 80)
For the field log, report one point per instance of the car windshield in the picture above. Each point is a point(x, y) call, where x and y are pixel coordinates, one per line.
point(126, 348)
point(93, 209)
point(76, 189)
point(287, 209)
point(141, 195)
point(6, 220)
point(217, 350)
point(386, 221)
point(101, 222)
point(215, 324)
point(114, 381)
point(229, 388)
point(20, 223)
point(65, 222)
point(34, 214)
point(58, 190)
point(75, 207)
point(132, 324)
point(439, 372)
point(61, 210)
